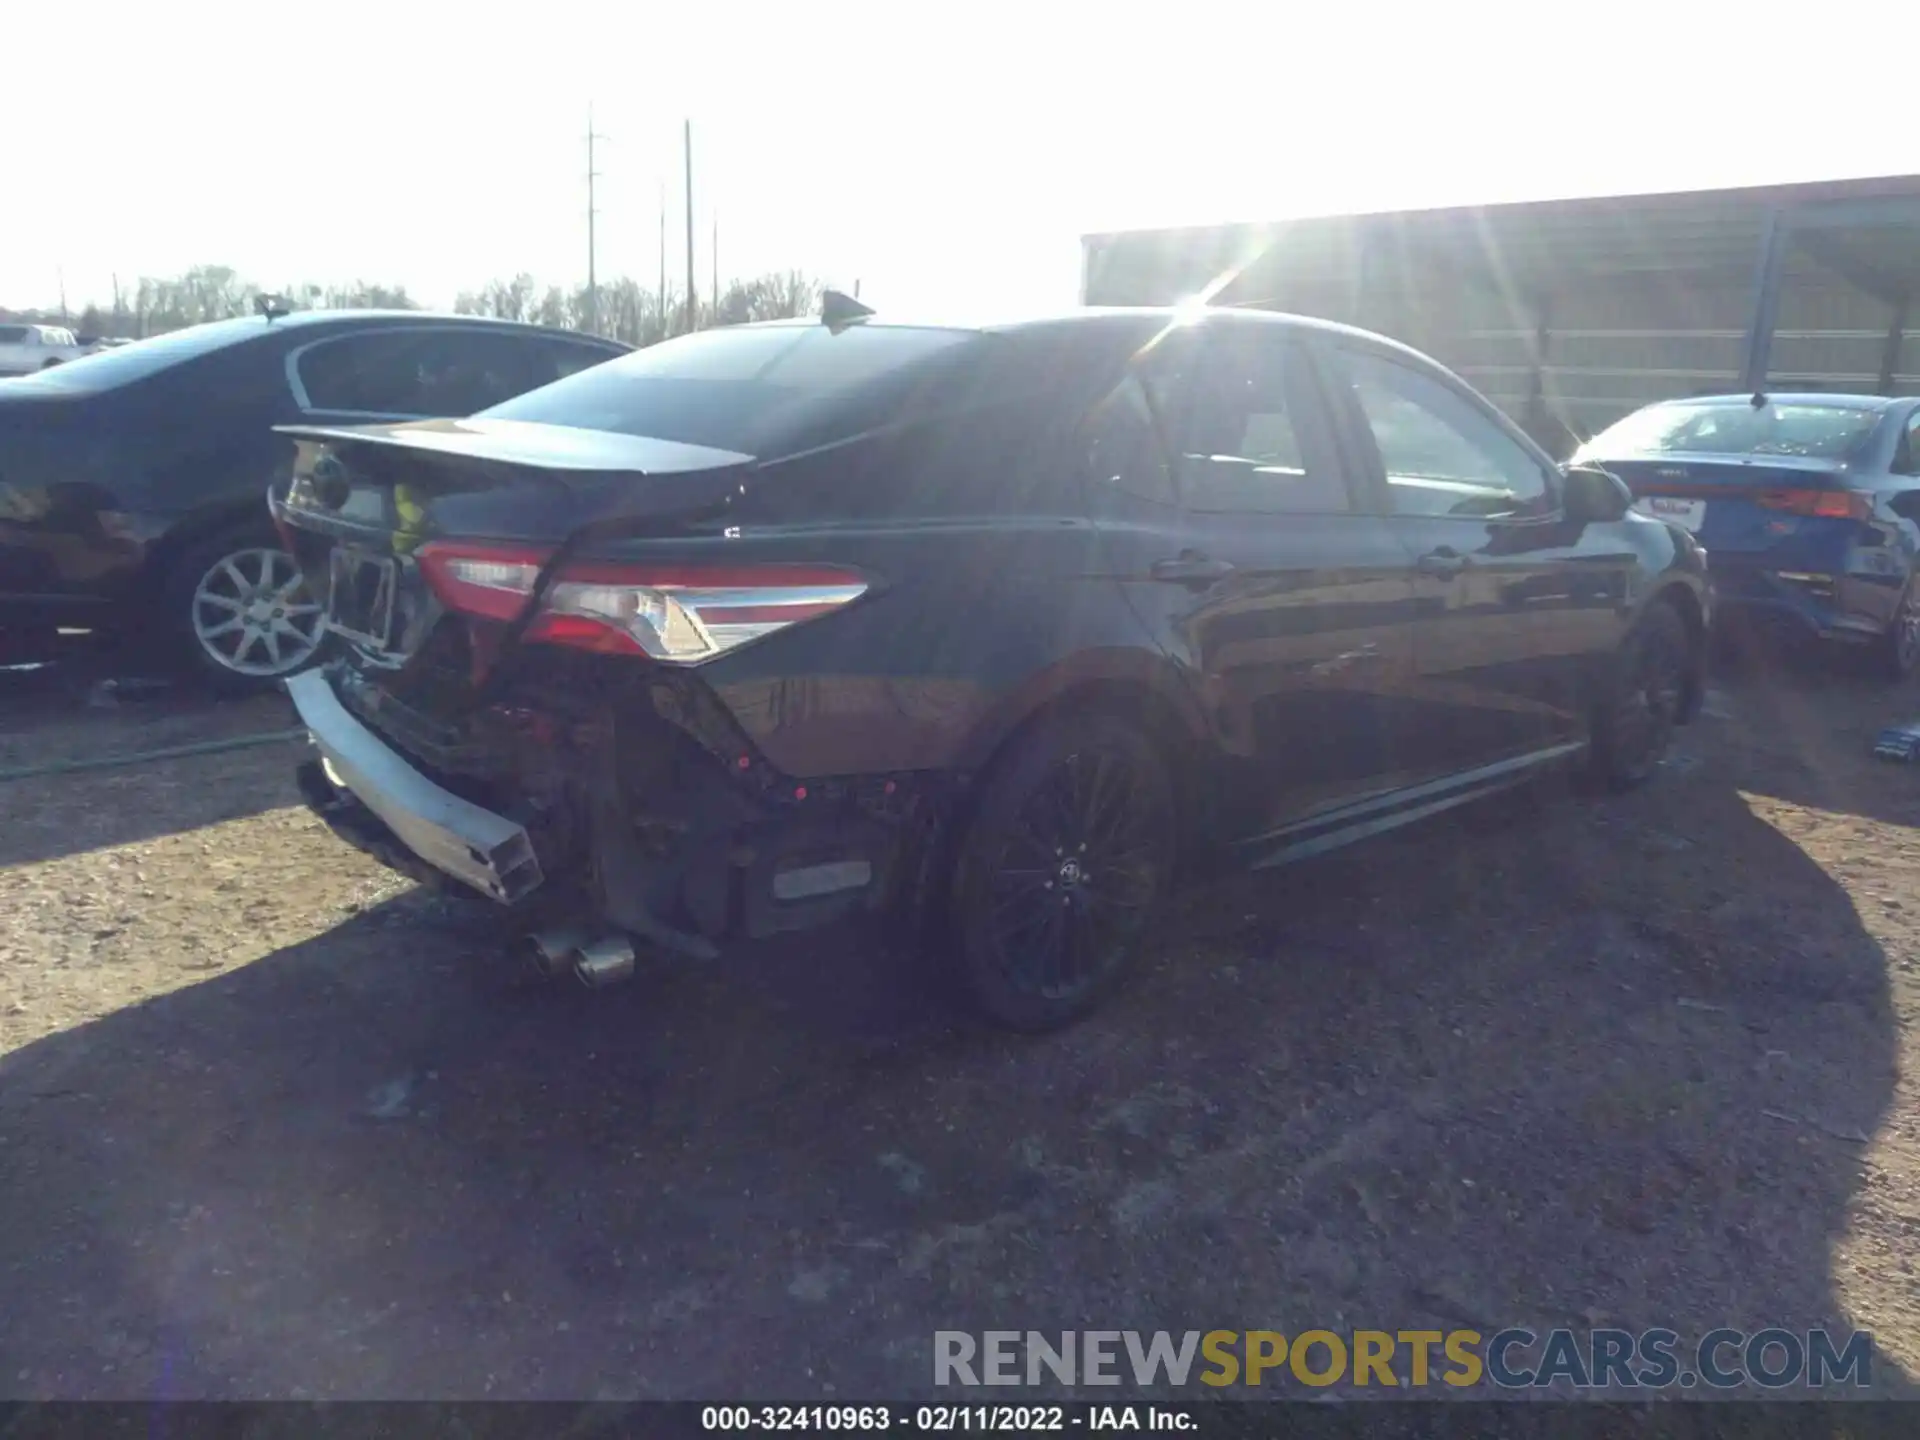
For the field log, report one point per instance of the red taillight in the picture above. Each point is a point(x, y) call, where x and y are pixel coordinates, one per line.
point(1831, 504)
point(669, 612)
point(491, 582)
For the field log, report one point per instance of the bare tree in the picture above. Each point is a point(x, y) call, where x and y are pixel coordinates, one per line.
point(501, 299)
point(362, 296)
point(628, 311)
point(559, 309)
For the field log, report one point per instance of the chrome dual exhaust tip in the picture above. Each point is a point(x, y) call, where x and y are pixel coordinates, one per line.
point(551, 952)
point(595, 963)
point(607, 961)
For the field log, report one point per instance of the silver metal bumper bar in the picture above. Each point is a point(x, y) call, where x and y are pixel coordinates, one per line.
point(473, 845)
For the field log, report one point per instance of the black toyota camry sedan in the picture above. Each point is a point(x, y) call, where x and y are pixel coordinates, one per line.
point(133, 481)
point(991, 627)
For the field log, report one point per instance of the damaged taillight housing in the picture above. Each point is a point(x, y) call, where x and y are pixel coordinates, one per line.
point(679, 613)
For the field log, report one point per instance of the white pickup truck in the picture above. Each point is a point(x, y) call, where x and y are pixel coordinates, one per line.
point(26, 348)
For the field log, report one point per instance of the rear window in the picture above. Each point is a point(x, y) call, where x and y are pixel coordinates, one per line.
point(1822, 432)
point(12, 334)
point(757, 390)
point(122, 365)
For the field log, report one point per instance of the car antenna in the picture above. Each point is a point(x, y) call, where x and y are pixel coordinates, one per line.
point(272, 306)
point(839, 310)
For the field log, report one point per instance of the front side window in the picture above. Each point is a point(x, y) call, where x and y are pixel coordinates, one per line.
point(1442, 455)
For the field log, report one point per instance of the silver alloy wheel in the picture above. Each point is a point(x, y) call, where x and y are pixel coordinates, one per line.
point(1906, 630)
point(252, 614)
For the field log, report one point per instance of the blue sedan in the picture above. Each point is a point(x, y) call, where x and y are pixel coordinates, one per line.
point(1808, 507)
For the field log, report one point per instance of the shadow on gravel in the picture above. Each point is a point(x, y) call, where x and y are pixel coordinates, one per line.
point(1810, 725)
point(1479, 1075)
point(82, 711)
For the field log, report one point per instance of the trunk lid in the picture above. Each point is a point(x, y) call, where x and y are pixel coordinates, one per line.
point(1738, 505)
point(396, 486)
point(363, 500)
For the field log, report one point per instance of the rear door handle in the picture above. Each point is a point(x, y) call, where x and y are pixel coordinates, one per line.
point(1444, 562)
point(1191, 570)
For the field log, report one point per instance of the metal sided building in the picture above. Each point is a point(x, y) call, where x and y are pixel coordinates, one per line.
point(1571, 313)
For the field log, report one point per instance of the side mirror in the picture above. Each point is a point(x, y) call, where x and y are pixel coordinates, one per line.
point(1593, 496)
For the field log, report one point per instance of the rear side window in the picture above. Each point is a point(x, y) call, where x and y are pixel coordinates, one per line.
point(434, 372)
point(1123, 445)
point(1737, 427)
point(12, 334)
point(1907, 458)
point(561, 358)
point(1241, 416)
point(755, 390)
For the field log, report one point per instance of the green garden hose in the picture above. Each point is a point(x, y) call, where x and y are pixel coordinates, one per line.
point(171, 752)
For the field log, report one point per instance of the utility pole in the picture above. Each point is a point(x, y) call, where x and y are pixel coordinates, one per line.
point(693, 304)
point(663, 259)
point(62, 274)
point(714, 252)
point(593, 283)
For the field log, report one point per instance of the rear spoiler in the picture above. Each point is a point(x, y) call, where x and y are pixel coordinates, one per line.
point(555, 450)
point(530, 444)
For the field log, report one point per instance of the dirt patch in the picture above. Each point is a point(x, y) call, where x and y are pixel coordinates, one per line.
point(275, 1124)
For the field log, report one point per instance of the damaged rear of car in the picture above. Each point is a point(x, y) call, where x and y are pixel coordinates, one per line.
point(991, 628)
point(684, 649)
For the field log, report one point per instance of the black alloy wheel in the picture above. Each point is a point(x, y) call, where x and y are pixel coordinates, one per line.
point(1636, 720)
point(1068, 853)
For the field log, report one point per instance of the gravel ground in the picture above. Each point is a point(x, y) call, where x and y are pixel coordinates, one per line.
point(274, 1124)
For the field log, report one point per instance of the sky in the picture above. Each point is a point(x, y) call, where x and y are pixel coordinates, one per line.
point(945, 156)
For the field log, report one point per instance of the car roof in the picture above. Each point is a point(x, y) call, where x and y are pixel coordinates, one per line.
point(111, 368)
point(1827, 398)
point(1102, 317)
point(238, 328)
point(321, 319)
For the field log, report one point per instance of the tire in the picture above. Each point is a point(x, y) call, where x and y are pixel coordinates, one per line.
point(1078, 815)
point(1896, 656)
point(51, 363)
point(231, 618)
point(1634, 722)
